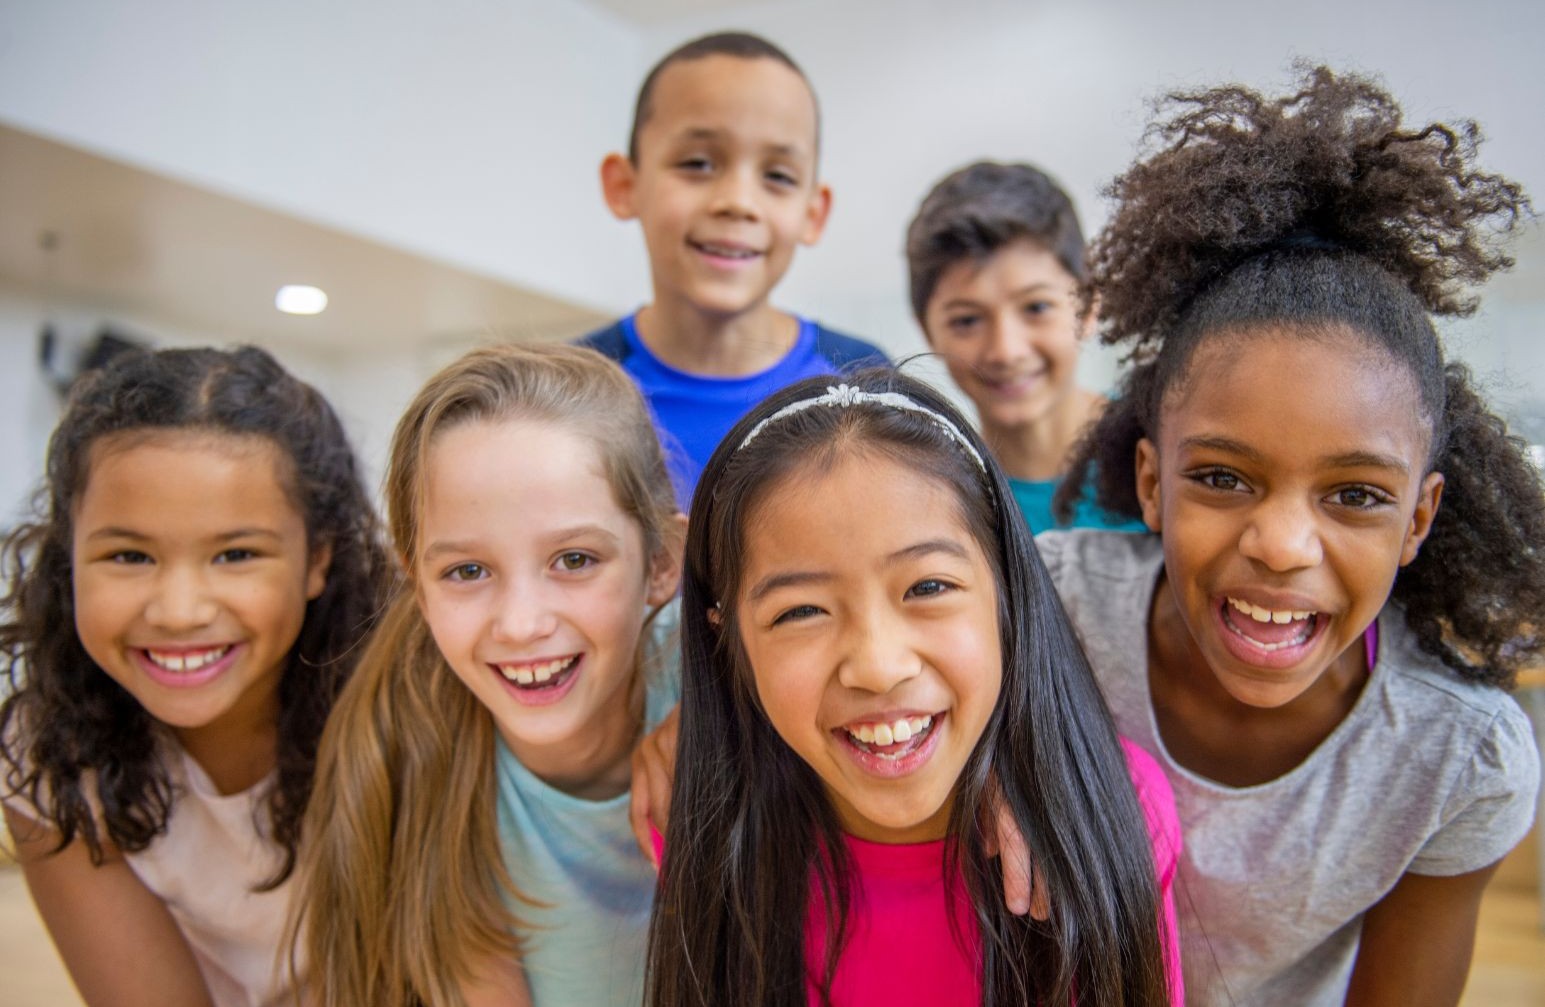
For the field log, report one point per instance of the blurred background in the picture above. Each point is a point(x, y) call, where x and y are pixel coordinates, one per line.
point(167, 165)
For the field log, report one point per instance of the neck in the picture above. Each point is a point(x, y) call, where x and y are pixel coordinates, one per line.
point(689, 339)
point(1041, 449)
point(236, 754)
point(595, 763)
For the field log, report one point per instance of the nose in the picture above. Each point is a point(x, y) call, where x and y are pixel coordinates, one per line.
point(1007, 343)
point(876, 655)
point(1282, 534)
point(734, 193)
point(525, 614)
point(182, 599)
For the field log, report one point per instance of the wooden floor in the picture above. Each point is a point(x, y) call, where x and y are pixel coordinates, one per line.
point(1509, 968)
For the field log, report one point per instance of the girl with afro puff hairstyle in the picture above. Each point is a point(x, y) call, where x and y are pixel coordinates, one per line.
point(1345, 571)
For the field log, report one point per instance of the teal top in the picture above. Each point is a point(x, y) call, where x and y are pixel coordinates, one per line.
point(585, 942)
point(1035, 504)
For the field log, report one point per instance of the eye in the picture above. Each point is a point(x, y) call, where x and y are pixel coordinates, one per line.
point(783, 178)
point(465, 573)
point(1037, 308)
point(962, 325)
point(235, 555)
point(1218, 479)
point(1359, 497)
point(929, 588)
point(696, 164)
point(798, 612)
point(572, 561)
point(129, 557)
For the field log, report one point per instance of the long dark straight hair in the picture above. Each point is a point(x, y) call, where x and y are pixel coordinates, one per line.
point(750, 822)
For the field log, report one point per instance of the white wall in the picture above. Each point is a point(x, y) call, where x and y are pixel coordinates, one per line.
point(466, 130)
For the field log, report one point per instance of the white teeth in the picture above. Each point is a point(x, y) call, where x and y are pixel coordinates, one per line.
point(191, 661)
point(894, 733)
point(1281, 618)
point(725, 252)
point(535, 674)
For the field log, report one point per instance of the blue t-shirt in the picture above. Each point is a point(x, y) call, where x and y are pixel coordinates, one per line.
point(693, 412)
point(585, 943)
point(1034, 500)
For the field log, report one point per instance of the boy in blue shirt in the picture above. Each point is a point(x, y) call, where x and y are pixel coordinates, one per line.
point(721, 176)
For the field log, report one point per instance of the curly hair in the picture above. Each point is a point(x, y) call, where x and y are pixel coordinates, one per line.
point(1323, 212)
point(976, 210)
point(65, 718)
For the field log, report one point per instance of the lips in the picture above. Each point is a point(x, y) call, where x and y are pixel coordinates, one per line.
point(541, 682)
point(728, 254)
point(186, 667)
point(1275, 637)
point(892, 746)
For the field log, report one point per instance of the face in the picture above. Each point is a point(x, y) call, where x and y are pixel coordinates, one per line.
point(869, 617)
point(191, 575)
point(1288, 497)
point(1009, 331)
point(535, 583)
point(725, 185)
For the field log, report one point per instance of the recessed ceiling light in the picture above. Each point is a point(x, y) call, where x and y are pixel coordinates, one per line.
point(297, 299)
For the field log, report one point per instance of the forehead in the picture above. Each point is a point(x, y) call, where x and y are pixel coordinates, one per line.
point(850, 514)
point(1332, 395)
point(515, 476)
point(1012, 267)
point(146, 476)
point(760, 98)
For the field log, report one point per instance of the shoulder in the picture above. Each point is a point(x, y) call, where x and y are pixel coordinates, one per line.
point(1157, 799)
point(846, 352)
point(611, 341)
point(1079, 556)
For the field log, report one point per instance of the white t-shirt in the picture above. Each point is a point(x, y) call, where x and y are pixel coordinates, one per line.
point(215, 850)
point(1428, 774)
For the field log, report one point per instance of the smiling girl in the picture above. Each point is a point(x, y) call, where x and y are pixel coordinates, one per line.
point(471, 823)
point(1346, 571)
point(873, 660)
point(180, 618)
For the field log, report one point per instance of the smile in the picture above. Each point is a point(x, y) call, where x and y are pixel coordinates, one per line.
point(1269, 630)
point(186, 660)
point(539, 674)
point(718, 251)
point(890, 748)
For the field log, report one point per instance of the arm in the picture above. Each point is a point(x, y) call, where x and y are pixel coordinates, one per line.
point(1417, 941)
point(498, 983)
point(654, 767)
point(118, 940)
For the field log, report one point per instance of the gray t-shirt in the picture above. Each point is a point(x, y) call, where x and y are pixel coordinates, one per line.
point(1427, 774)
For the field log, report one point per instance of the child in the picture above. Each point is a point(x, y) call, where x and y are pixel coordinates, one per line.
point(872, 661)
point(1312, 647)
point(181, 615)
point(472, 806)
point(721, 175)
point(995, 257)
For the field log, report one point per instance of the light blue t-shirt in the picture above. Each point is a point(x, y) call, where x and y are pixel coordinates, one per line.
point(585, 943)
point(1035, 504)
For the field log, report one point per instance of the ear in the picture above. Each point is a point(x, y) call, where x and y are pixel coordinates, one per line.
point(619, 181)
point(1088, 319)
point(1427, 501)
point(317, 565)
point(1147, 463)
point(665, 566)
point(816, 212)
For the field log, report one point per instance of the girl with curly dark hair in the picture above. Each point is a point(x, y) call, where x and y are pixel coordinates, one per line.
point(181, 615)
point(1345, 573)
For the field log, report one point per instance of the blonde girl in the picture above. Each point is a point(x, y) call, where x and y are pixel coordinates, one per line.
point(471, 826)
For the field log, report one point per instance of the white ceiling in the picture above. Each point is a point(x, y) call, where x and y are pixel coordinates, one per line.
point(658, 12)
point(208, 265)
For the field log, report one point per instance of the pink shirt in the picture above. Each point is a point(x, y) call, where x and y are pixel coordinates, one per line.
point(901, 944)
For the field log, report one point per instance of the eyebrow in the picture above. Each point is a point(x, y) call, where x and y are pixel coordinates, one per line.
point(114, 531)
point(965, 302)
point(706, 133)
point(443, 547)
point(798, 578)
point(1345, 460)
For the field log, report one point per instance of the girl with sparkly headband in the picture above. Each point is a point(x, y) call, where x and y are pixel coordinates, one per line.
point(873, 661)
point(1345, 570)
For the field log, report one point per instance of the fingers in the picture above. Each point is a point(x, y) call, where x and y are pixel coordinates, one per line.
point(1024, 885)
point(638, 808)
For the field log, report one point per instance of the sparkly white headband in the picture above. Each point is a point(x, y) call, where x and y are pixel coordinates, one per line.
point(844, 395)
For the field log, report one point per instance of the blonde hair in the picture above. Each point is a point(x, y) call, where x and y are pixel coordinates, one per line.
point(403, 889)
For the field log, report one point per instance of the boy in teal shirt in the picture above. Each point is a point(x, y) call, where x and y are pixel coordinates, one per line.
point(995, 256)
